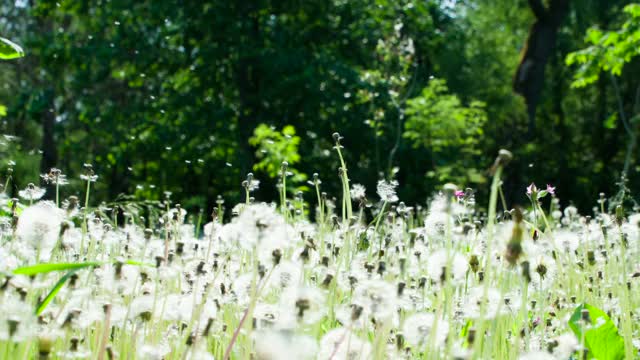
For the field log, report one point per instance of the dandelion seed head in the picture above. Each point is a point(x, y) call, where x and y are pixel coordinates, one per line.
point(378, 298)
point(418, 329)
point(32, 193)
point(358, 192)
point(342, 344)
point(39, 226)
point(387, 190)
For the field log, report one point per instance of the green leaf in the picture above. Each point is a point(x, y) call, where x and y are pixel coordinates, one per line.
point(610, 122)
point(10, 50)
point(599, 333)
point(3, 110)
point(54, 291)
point(45, 268)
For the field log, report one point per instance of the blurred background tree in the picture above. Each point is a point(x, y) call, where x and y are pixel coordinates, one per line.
point(164, 95)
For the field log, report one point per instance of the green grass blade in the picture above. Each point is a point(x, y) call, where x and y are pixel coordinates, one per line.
point(138, 263)
point(10, 50)
point(54, 291)
point(45, 268)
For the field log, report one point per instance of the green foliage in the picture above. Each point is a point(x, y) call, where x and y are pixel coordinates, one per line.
point(609, 51)
point(10, 50)
point(599, 333)
point(275, 147)
point(438, 121)
point(160, 97)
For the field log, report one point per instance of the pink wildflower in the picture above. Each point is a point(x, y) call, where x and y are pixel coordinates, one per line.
point(551, 189)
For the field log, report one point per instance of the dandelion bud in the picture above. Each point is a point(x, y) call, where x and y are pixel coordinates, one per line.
point(302, 305)
point(591, 257)
point(327, 280)
point(525, 271)
point(382, 267)
point(402, 262)
point(356, 311)
point(551, 345)
point(325, 260)
point(45, 344)
point(207, 328)
point(277, 255)
point(13, 326)
point(541, 269)
point(584, 313)
point(23, 294)
point(471, 336)
point(73, 281)
point(159, 260)
point(619, 214)
point(74, 344)
point(5, 285)
point(401, 286)
point(369, 267)
point(474, 263)
point(352, 281)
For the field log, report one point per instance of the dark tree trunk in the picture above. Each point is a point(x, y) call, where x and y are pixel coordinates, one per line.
point(249, 81)
point(49, 151)
point(529, 78)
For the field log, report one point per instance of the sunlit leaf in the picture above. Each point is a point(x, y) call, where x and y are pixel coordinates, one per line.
point(10, 50)
point(598, 332)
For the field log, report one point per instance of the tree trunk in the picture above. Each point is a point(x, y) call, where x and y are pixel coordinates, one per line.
point(529, 78)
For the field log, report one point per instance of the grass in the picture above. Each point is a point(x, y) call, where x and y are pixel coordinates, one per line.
point(386, 282)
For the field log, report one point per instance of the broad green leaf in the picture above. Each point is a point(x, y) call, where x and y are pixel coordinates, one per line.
point(45, 268)
point(10, 50)
point(599, 333)
point(54, 291)
point(3, 110)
